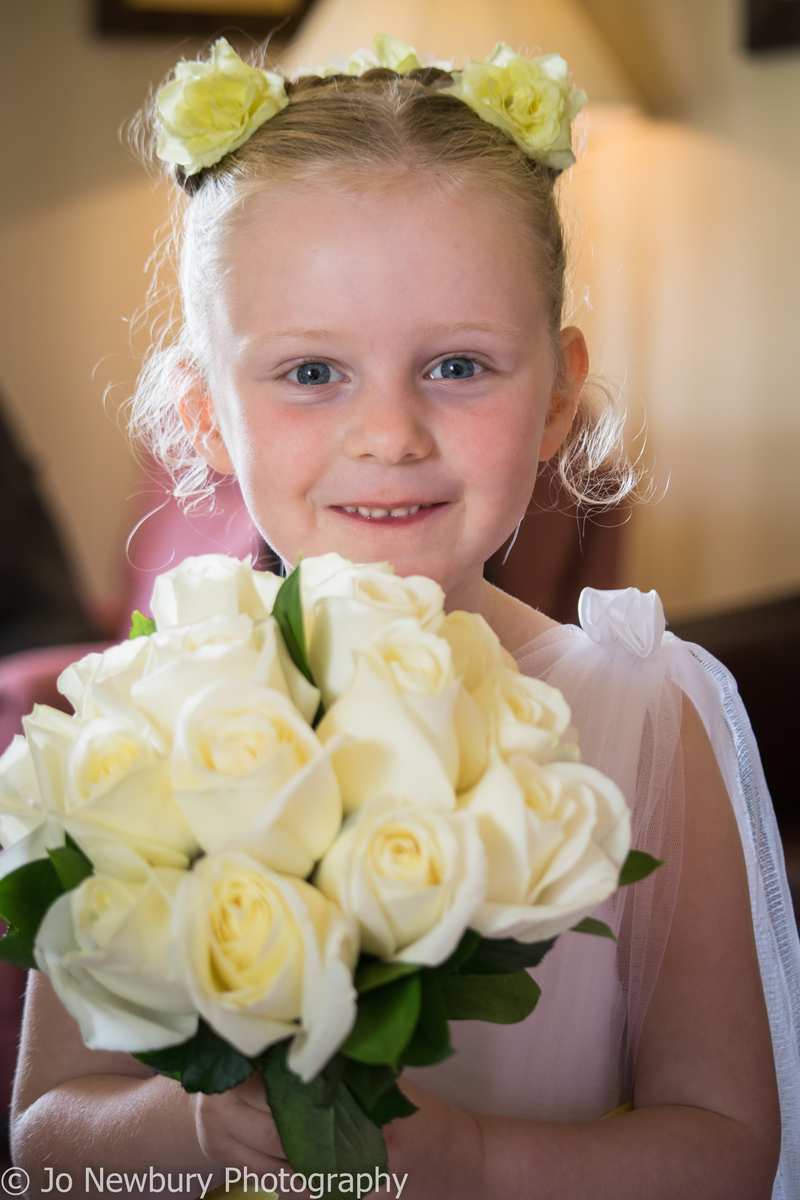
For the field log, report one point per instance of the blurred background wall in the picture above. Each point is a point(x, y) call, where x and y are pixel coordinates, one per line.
point(684, 219)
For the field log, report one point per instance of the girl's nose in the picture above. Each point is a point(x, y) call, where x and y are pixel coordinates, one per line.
point(388, 424)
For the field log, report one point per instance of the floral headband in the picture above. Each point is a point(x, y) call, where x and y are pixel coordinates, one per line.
point(210, 108)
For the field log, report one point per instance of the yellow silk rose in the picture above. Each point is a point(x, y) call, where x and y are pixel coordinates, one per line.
point(395, 55)
point(388, 52)
point(530, 99)
point(210, 108)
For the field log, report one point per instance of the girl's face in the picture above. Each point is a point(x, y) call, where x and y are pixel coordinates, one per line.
point(382, 375)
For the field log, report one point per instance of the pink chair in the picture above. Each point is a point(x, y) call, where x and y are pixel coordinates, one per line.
point(163, 535)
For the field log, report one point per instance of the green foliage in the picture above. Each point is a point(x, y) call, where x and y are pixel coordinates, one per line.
point(367, 1081)
point(71, 865)
point(387, 1017)
point(597, 928)
point(288, 612)
point(371, 973)
point(390, 1106)
point(502, 999)
point(430, 1041)
point(27, 893)
point(17, 949)
point(465, 949)
point(500, 956)
point(205, 1063)
point(376, 1090)
point(638, 865)
point(320, 1131)
point(141, 626)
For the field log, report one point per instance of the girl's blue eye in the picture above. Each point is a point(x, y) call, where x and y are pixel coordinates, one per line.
point(455, 368)
point(314, 374)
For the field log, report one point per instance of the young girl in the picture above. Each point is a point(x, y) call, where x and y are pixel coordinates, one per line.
point(372, 277)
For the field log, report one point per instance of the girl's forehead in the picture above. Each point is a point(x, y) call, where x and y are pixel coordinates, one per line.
point(401, 233)
point(379, 199)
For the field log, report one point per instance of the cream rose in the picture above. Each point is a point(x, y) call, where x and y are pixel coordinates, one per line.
point(346, 605)
point(105, 947)
point(21, 808)
point(212, 585)
point(524, 716)
point(99, 685)
point(27, 831)
point(105, 781)
point(245, 762)
point(555, 839)
point(187, 658)
point(411, 880)
point(530, 99)
point(211, 108)
point(475, 648)
point(397, 742)
point(266, 956)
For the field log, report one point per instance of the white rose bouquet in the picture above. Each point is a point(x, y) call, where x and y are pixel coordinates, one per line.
point(297, 827)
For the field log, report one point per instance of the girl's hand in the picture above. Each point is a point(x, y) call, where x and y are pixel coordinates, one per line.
point(236, 1129)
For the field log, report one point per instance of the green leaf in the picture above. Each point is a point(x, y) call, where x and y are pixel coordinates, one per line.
point(638, 865)
point(504, 999)
point(372, 973)
point(597, 928)
point(391, 1105)
point(27, 893)
point(288, 612)
point(72, 866)
point(496, 956)
point(141, 626)
point(463, 951)
point(430, 1042)
point(205, 1063)
point(17, 949)
point(367, 1082)
point(386, 1020)
point(335, 1138)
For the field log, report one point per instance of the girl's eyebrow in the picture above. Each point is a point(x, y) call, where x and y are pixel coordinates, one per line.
point(276, 334)
point(447, 327)
point(477, 327)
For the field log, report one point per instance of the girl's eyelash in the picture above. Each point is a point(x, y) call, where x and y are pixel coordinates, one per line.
point(318, 373)
point(478, 367)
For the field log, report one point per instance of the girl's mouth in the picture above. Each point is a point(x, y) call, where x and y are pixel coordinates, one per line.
point(401, 512)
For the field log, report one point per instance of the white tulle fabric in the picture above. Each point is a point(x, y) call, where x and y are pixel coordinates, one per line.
point(574, 1058)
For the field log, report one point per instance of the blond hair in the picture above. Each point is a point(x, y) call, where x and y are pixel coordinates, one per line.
point(342, 132)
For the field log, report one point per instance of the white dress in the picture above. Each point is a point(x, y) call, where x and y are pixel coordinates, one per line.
point(573, 1059)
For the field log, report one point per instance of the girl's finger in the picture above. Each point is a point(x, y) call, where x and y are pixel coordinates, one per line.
point(253, 1092)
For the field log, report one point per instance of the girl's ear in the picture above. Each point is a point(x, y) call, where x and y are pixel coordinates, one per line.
point(567, 391)
point(199, 419)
